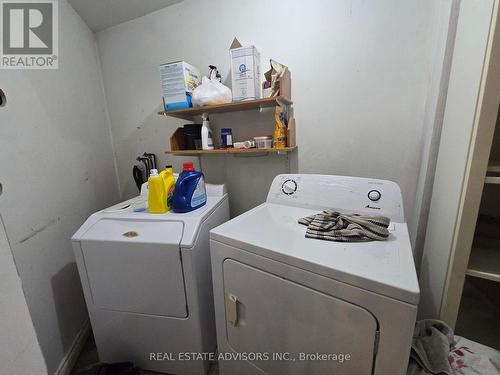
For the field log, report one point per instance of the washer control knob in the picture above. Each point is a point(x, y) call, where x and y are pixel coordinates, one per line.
point(289, 187)
point(374, 195)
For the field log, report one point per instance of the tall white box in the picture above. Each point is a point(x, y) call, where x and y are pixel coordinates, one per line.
point(245, 73)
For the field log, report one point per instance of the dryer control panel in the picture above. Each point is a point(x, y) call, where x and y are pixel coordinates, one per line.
point(342, 193)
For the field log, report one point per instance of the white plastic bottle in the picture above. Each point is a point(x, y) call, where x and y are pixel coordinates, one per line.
point(207, 140)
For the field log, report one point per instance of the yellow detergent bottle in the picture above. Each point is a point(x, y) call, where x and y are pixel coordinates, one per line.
point(157, 203)
point(169, 182)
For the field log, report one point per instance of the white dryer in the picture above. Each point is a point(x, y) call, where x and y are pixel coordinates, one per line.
point(147, 283)
point(286, 304)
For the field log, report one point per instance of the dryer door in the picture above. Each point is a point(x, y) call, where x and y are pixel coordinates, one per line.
point(272, 315)
point(135, 266)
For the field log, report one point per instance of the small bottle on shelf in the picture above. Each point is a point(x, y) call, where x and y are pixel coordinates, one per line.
point(226, 136)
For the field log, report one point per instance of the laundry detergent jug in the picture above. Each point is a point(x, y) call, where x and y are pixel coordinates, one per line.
point(169, 181)
point(189, 193)
point(157, 203)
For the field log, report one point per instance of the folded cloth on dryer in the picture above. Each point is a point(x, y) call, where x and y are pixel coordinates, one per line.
point(334, 226)
point(430, 348)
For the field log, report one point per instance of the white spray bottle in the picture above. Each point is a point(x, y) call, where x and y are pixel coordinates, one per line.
point(207, 140)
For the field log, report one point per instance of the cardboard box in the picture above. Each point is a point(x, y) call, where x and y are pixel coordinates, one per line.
point(178, 80)
point(245, 72)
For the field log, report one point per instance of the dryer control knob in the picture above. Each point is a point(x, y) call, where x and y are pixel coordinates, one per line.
point(374, 195)
point(289, 187)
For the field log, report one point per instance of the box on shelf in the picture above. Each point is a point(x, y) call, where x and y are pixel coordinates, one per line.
point(177, 140)
point(286, 85)
point(178, 80)
point(245, 72)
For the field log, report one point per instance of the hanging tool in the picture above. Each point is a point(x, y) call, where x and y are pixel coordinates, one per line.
point(138, 177)
point(152, 158)
point(146, 162)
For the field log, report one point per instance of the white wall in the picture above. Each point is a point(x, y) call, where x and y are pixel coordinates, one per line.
point(361, 74)
point(445, 30)
point(19, 349)
point(56, 167)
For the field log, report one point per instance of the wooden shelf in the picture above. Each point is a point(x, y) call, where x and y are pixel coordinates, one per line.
point(484, 259)
point(484, 262)
point(225, 151)
point(492, 180)
point(494, 166)
point(493, 171)
point(190, 113)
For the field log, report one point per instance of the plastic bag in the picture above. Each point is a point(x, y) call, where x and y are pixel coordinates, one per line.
point(274, 75)
point(211, 92)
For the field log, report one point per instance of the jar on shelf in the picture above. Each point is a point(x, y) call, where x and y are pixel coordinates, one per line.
point(226, 135)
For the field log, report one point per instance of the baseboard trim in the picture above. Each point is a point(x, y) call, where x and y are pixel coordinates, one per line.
point(70, 358)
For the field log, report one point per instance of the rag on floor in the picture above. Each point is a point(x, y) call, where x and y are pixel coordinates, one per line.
point(434, 350)
point(334, 226)
point(430, 348)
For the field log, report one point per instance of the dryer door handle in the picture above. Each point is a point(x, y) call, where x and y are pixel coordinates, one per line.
point(232, 308)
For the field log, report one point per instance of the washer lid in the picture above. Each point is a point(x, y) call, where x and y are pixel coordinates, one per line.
point(110, 224)
point(271, 230)
point(140, 231)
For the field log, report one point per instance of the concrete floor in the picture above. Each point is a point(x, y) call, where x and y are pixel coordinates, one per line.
point(89, 357)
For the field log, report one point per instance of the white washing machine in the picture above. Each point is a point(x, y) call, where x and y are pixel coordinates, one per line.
point(286, 304)
point(147, 283)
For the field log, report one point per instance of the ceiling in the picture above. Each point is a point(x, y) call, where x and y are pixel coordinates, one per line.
point(101, 14)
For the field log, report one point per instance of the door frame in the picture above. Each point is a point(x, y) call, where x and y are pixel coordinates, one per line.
point(485, 119)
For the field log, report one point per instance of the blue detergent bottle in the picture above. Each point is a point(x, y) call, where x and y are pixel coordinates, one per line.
point(189, 193)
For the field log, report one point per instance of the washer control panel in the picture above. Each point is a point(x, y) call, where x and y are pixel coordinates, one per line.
point(289, 187)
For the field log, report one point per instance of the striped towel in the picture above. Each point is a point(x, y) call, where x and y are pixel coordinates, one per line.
point(334, 226)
